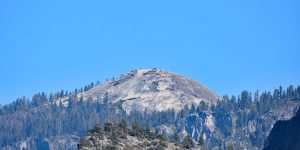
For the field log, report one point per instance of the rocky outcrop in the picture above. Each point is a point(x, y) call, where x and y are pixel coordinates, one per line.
point(65, 142)
point(151, 89)
point(285, 135)
point(119, 137)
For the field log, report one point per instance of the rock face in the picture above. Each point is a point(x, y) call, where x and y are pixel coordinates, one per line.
point(173, 102)
point(65, 142)
point(151, 89)
point(285, 135)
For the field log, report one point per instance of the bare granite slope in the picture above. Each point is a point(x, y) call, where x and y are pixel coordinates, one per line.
point(151, 89)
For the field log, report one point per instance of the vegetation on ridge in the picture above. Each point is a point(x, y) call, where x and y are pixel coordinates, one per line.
point(119, 136)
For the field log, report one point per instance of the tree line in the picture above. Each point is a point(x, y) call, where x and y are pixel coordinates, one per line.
point(40, 117)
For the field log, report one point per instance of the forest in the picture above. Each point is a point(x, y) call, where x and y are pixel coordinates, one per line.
point(40, 117)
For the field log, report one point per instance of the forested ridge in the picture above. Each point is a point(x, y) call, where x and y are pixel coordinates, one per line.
point(40, 117)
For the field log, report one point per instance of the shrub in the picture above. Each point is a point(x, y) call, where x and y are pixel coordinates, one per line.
point(188, 142)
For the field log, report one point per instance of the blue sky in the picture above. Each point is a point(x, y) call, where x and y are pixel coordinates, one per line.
point(227, 45)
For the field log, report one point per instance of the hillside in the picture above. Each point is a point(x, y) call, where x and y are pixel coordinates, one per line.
point(285, 135)
point(151, 89)
point(119, 136)
point(166, 102)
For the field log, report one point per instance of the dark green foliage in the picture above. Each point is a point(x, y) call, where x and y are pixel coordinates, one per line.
point(230, 147)
point(123, 129)
point(41, 118)
point(136, 130)
point(108, 127)
point(90, 131)
point(110, 147)
point(201, 140)
point(176, 137)
point(163, 144)
point(83, 143)
point(135, 126)
point(147, 130)
point(39, 99)
point(123, 126)
point(245, 99)
point(188, 142)
point(115, 137)
point(88, 87)
point(98, 129)
point(113, 133)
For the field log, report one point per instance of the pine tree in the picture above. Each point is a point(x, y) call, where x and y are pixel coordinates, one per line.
point(123, 126)
point(108, 127)
point(105, 101)
point(114, 137)
point(135, 128)
point(98, 129)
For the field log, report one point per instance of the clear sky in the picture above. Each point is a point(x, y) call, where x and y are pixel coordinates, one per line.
point(228, 45)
